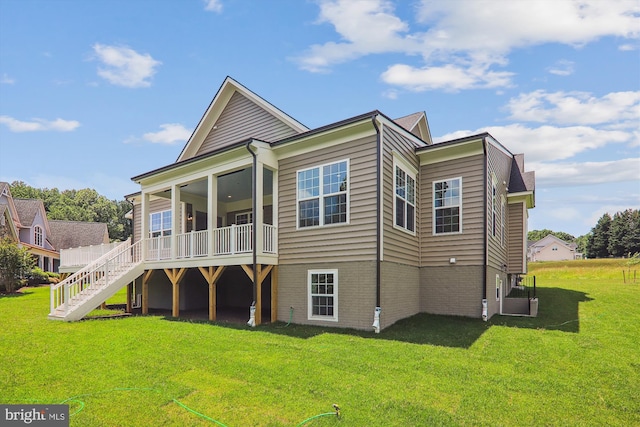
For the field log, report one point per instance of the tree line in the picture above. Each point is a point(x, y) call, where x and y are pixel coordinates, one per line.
point(79, 205)
point(612, 236)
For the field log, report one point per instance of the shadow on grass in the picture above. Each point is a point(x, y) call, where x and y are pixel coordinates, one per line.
point(558, 310)
point(17, 294)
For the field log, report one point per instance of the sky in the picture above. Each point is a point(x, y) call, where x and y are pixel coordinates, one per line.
point(95, 92)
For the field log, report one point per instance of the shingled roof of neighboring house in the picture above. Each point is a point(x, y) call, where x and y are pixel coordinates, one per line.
point(72, 234)
point(27, 210)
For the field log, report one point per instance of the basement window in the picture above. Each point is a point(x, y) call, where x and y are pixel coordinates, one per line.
point(323, 295)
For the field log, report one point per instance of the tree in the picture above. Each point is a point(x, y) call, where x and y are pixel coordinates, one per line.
point(624, 235)
point(15, 263)
point(80, 205)
point(598, 242)
point(535, 235)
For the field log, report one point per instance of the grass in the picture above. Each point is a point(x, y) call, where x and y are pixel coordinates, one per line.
point(577, 363)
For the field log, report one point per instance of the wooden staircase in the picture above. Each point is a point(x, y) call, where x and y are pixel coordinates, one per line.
point(83, 291)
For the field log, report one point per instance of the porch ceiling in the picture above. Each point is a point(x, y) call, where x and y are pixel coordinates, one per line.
point(232, 186)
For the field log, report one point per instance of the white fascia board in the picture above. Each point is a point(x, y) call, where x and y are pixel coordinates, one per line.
point(451, 152)
point(227, 161)
point(396, 127)
point(524, 196)
point(329, 138)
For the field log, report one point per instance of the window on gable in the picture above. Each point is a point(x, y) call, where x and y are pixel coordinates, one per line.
point(37, 235)
point(323, 294)
point(494, 207)
point(160, 224)
point(322, 195)
point(405, 200)
point(503, 236)
point(447, 205)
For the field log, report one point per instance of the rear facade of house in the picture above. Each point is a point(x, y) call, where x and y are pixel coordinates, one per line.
point(322, 226)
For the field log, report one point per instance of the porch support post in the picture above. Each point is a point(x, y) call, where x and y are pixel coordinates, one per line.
point(274, 293)
point(144, 224)
point(211, 275)
point(175, 275)
point(175, 219)
point(145, 291)
point(129, 292)
point(212, 212)
point(258, 219)
point(262, 274)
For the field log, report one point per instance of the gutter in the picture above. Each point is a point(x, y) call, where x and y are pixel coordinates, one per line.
point(485, 240)
point(376, 317)
point(254, 235)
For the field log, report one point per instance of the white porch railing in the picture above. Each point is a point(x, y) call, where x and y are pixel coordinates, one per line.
point(235, 239)
point(68, 294)
point(84, 255)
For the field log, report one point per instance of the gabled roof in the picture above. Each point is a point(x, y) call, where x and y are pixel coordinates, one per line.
point(72, 234)
point(551, 239)
point(27, 210)
point(417, 124)
point(217, 106)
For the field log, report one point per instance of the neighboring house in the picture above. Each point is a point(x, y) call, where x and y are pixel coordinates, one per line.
point(35, 233)
point(551, 248)
point(25, 221)
point(9, 223)
point(359, 221)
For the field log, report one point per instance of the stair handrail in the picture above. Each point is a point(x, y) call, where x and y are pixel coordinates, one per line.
point(89, 271)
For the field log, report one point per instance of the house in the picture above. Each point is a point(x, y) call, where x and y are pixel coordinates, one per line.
point(79, 242)
point(25, 221)
point(359, 221)
point(551, 248)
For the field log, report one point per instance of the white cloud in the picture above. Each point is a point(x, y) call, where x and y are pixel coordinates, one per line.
point(35, 125)
point(448, 77)
point(463, 39)
point(171, 133)
point(213, 6)
point(6, 80)
point(576, 108)
point(548, 143)
point(627, 47)
point(123, 66)
point(365, 26)
point(562, 68)
point(586, 173)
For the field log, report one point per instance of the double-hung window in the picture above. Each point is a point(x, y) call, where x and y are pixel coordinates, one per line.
point(37, 235)
point(323, 195)
point(160, 224)
point(405, 199)
point(323, 294)
point(447, 206)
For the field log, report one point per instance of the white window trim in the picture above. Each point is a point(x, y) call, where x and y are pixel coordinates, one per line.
point(498, 287)
point(433, 205)
point(38, 233)
point(249, 216)
point(162, 230)
point(494, 211)
point(310, 315)
point(400, 162)
point(321, 197)
point(503, 225)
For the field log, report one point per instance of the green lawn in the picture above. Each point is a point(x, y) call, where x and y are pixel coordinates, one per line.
point(577, 363)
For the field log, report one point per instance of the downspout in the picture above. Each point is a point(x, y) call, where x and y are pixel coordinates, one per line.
point(254, 235)
point(378, 310)
point(486, 252)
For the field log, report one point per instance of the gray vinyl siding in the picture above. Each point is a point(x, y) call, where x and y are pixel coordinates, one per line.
point(517, 213)
point(355, 241)
point(398, 245)
point(243, 119)
point(500, 165)
point(466, 247)
point(158, 205)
